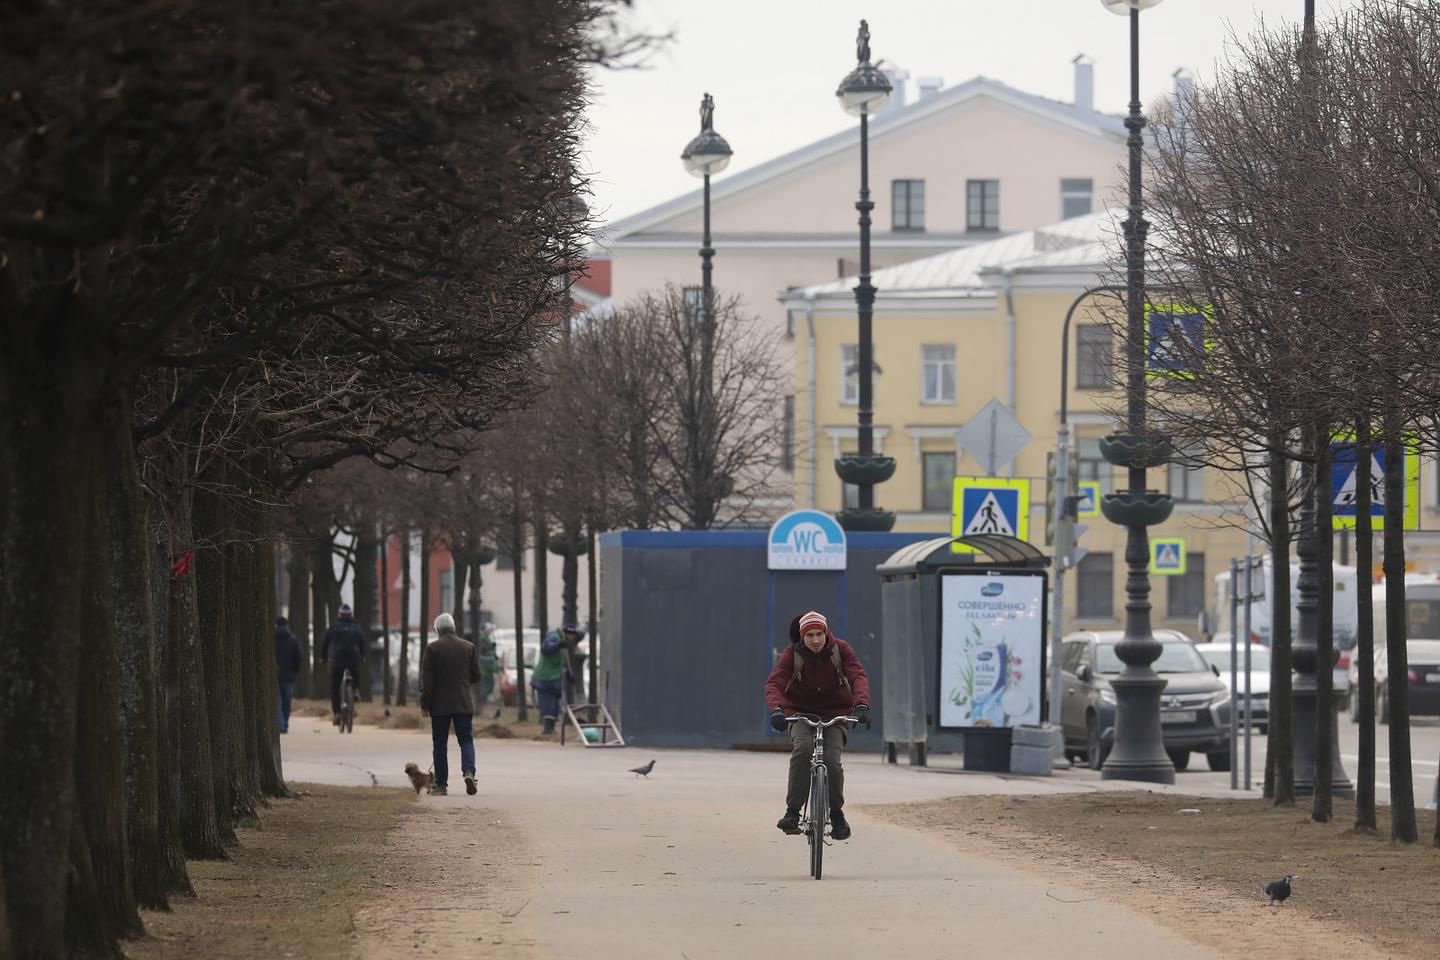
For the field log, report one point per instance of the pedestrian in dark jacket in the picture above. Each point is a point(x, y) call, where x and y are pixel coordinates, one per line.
point(447, 669)
point(287, 667)
point(819, 676)
point(342, 648)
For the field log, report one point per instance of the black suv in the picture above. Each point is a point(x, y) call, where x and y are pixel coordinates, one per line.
point(1194, 706)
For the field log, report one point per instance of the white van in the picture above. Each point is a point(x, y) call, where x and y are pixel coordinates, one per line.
point(1422, 648)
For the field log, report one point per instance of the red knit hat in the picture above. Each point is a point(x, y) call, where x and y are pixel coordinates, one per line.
point(811, 620)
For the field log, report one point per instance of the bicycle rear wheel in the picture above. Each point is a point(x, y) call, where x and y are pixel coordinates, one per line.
point(819, 814)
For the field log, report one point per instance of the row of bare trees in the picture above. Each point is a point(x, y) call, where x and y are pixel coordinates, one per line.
point(239, 245)
point(1296, 202)
point(615, 441)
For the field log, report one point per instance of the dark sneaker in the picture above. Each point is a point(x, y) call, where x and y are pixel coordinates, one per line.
point(790, 823)
point(470, 787)
point(439, 792)
point(839, 826)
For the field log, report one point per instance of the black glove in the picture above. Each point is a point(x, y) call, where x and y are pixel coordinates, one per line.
point(777, 720)
point(862, 713)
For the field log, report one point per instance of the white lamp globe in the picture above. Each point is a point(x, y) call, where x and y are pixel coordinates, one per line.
point(1123, 7)
point(864, 91)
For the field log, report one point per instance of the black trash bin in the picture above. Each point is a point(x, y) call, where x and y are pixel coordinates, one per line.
point(987, 748)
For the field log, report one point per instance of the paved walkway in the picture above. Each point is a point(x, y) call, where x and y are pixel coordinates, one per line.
point(688, 864)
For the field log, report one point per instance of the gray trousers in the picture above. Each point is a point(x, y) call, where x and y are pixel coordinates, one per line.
point(802, 739)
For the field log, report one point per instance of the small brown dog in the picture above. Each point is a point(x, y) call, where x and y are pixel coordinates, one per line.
point(417, 779)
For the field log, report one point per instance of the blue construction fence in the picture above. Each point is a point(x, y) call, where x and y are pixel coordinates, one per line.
point(691, 623)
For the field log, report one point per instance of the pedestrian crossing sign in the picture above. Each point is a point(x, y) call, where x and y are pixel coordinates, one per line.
point(1167, 556)
point(990, 505)
point(1343, 458)
point(1177, 343)
point(1089, 505)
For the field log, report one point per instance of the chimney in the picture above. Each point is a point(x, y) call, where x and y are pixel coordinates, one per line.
point(897, 77)
point(1084, 83)
point(929, 86)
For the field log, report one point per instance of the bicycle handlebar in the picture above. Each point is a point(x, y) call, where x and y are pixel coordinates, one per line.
point(821, 724)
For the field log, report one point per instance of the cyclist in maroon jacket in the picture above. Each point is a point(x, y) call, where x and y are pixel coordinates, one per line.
point(819, 676)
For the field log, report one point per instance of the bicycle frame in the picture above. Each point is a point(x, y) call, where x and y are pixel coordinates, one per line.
point(813, 824)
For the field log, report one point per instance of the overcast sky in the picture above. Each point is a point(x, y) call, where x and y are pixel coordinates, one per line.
point(773, 65)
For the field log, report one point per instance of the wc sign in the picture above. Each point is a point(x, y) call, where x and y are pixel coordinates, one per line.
point(806, 540)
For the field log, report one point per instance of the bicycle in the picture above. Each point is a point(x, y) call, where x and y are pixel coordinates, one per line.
point(816, 815)
point(347, 703)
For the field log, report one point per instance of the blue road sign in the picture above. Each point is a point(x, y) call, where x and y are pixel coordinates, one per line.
point(1343, 456)
point(1089, 503)
point(1175, 343)
point(1167, 556)
point(990, 510)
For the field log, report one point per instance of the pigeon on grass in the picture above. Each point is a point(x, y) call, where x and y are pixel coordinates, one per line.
point(1278, 890)
point(643, 771)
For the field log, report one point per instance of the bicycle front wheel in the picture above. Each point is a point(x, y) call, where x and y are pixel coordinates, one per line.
point(819, 814)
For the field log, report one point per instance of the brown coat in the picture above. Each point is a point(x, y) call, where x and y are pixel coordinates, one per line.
point(447, 669)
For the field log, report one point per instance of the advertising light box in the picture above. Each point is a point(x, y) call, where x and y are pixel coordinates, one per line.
point(992, 649)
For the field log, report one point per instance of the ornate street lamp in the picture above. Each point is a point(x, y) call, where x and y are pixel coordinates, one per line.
point(707, 154)
point(1139, 748)
point(862, 93)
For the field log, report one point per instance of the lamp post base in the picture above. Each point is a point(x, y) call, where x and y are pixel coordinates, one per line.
point(1139, 751)
point(1340, 785)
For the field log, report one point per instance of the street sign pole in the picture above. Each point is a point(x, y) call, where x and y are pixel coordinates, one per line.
point(1248, 561)
point(1234, 679)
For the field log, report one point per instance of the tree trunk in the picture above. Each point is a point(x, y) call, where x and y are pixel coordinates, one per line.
point(517, 554)
point(1402, 786)
point(46, 465)
point(1322, 801)
point(366, 546)
point(299, 616)
point(403, 539)
point(322, 574)
point(213, 571)
point(1281, 729)
point(570, 576)
point(542, 576)
point(188, 716)
point(460, 567)
point(156, 865)
point(100, 901)
point(594, 631)
point(426, 545)
point(385, 612)
point(1365, 630)
point(474, 595)
point(267, 723)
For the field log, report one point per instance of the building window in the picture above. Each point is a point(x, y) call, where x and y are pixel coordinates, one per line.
point(982, 204)
point(850, 373)
point(1187, 480)
point(1076, 198)
point(787, 449)
point(907, 204)
point(1094, 357)
point(1090, 466)
point(694, 301)
point(1095, 586)
point(938, 363)
point(939, 472)
point(1187, 591)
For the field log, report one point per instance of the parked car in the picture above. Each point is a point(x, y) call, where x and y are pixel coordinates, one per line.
point(1217, 655)
point(1194, 707)
point(1422, 658)
point(1339, 675)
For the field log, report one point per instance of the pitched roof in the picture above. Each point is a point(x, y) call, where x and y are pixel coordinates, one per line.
point(1079, 118)
point(1079, 240)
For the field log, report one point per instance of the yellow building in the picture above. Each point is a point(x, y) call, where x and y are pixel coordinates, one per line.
point(956, 331)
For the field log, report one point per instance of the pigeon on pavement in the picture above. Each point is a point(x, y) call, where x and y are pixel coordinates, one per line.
point(643, 771)
point(1278, 890)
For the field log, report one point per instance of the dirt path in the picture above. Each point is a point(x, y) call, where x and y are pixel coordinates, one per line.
point(1199, 875)
point(455, 880)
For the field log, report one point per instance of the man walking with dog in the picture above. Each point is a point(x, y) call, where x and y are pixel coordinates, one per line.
point(448, 667)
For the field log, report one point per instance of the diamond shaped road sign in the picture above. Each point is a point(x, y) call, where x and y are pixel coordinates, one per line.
point(993, 437)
